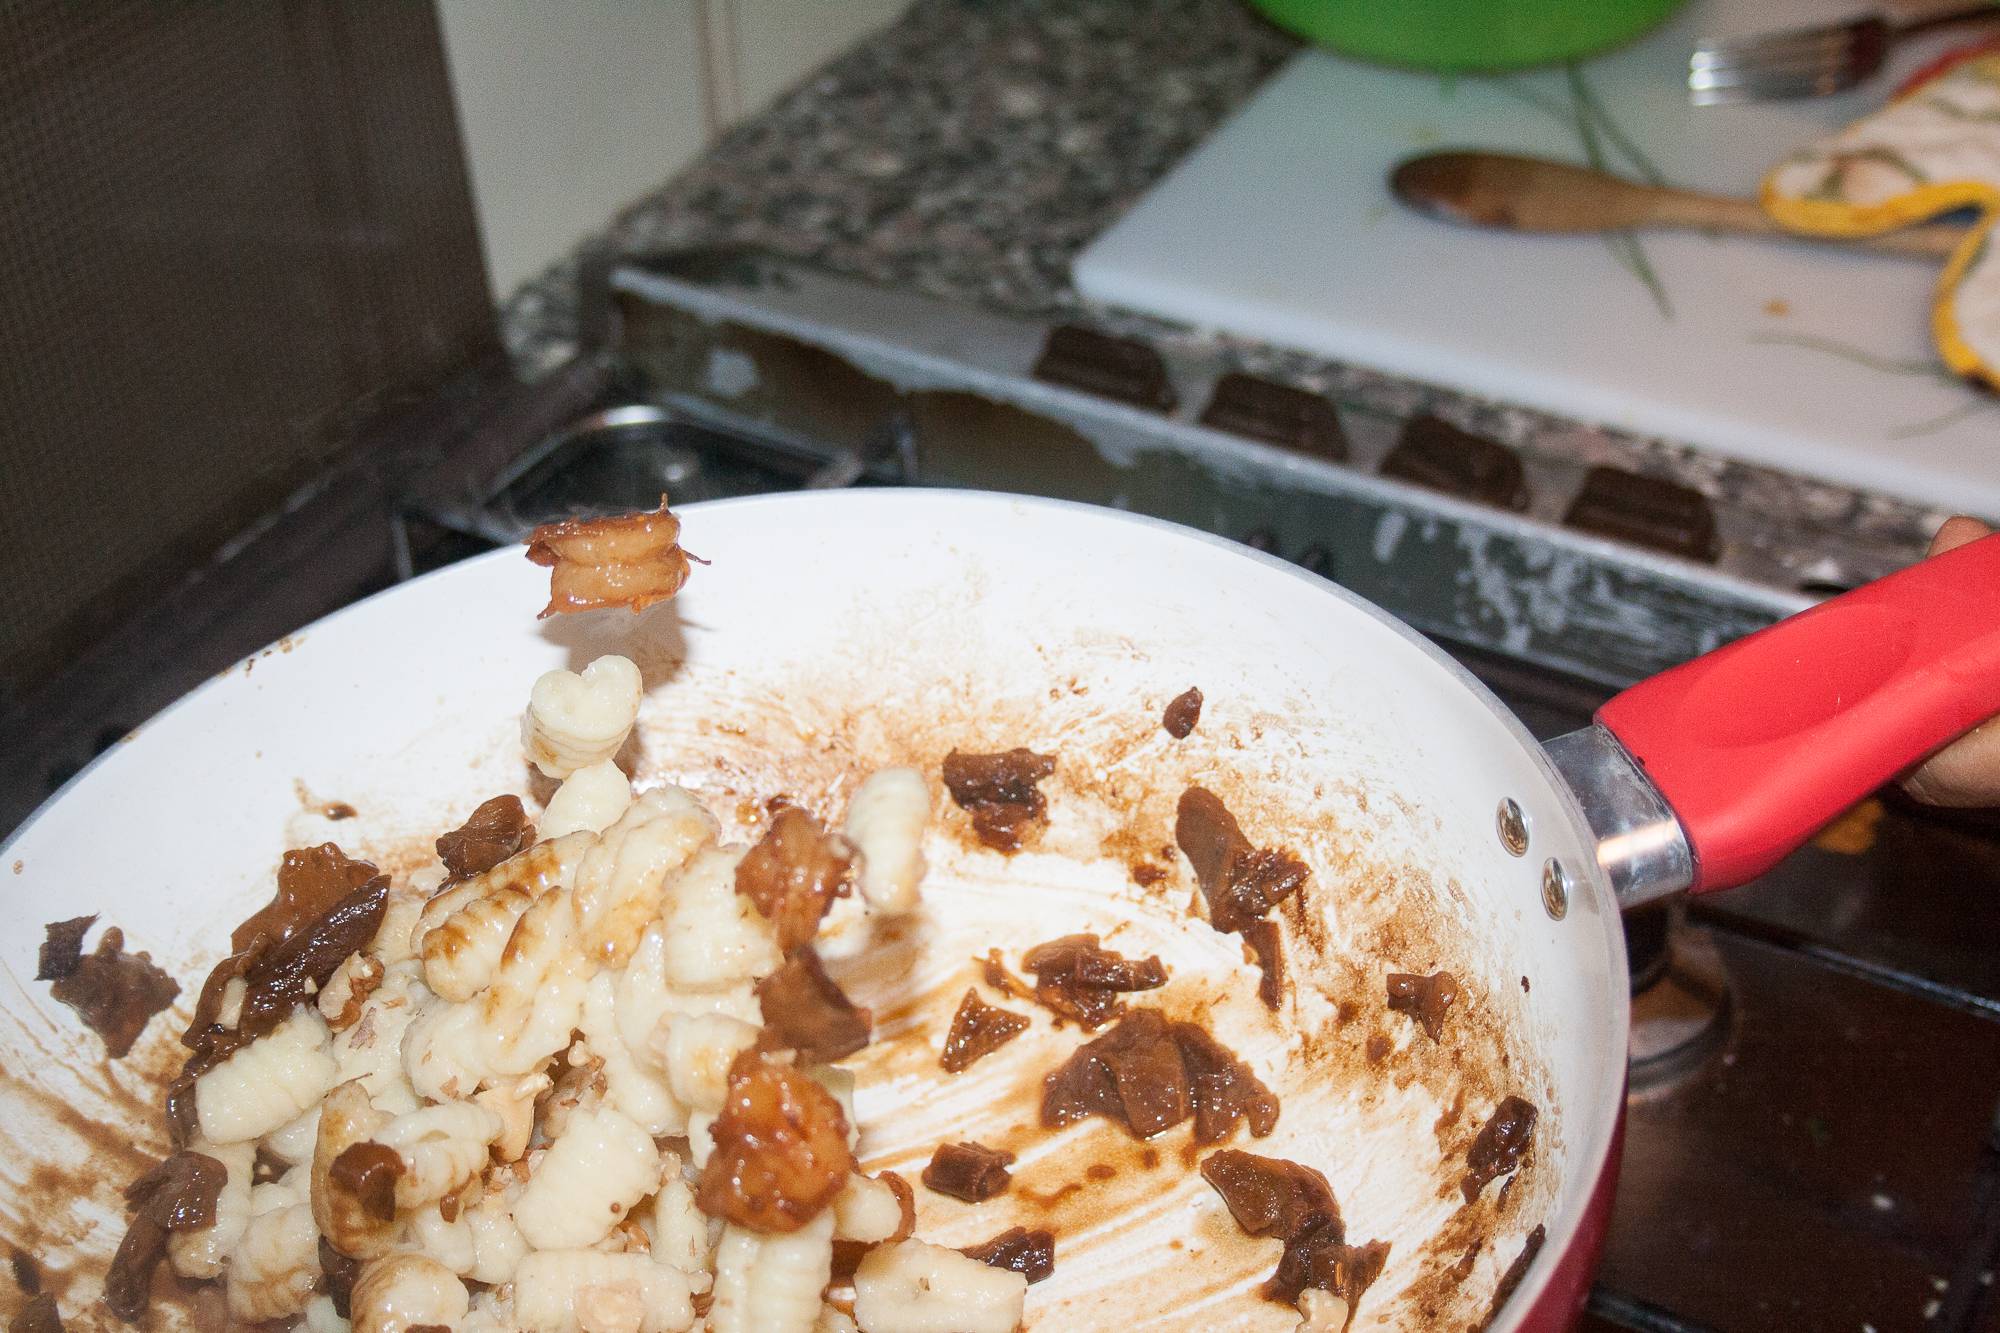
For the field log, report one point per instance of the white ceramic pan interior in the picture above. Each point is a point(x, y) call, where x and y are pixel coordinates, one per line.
point(836, 632)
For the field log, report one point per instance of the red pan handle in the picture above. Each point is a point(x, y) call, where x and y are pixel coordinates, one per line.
point(1758, 745)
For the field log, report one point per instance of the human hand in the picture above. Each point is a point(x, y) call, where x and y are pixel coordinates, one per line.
point(1966, 772)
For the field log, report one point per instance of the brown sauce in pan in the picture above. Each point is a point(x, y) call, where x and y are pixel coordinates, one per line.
point(1148, 1074)
point(1426, 999)
point(1239, 882)
point(1078, 979)
point(1501, 1144)
point(1001, 792)
point(1182, 714)
point(977, 1030)
point(1269, 1196)
point(1032, 1254)
point(115, 993)
point(496, 830)
point(806, 1012)
point(968, 1171)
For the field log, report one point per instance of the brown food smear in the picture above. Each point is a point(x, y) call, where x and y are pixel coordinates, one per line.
point(805, 1011)
point(367, 1172)
point(977, 1030)
point(310, 881)
point(781, 1151)
point(115, 993)
point(1267, 946)
point(37, 1316)
point(62, 947)
point(1032, 1254)
point(968, 1171)
point(630, 560)
point(1149, 1075)
point(27, 1273)
point(1182, 714)
point(1516, 1272)
point(1501, 1144)
point(1426, 999)
point(338, 1272)
point(1000, 979)
point(999, 791)
point(1078, 979)
point(1239, 882)
point(794, 873)
point(1269, 1196)
point(1146, 875)
point(496, 830)
point(177, 1195)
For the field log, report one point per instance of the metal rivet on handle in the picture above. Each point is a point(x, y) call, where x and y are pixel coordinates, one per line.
point(1513, 828)
point(1555, 889)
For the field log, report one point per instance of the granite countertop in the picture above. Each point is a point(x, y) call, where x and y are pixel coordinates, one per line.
point(970, 150)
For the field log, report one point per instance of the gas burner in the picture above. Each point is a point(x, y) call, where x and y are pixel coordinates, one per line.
point(1680, 998)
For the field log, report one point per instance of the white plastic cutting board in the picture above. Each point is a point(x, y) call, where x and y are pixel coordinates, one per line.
point(1280, 228)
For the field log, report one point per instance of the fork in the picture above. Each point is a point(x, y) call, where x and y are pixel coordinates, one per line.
point(1807, 62)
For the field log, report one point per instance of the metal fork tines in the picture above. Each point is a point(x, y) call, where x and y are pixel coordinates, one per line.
point(1803, 62)
point(1809, 62)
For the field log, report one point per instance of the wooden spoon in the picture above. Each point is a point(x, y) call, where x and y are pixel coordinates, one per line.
point(1533, 194)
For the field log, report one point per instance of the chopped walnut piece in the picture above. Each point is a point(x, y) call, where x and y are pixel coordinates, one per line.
point(968, 1171)
point(1032, 1254)
point(1426, 999)
point(977, 1030)
point(346, 992)
point(781, 1151)
point(794, 873)
point(1078, 979)
point(806, 1012)
point(1502, 1142)
point(494, 831)
point(630, 560)
point(1239, 882)
point(999, 791)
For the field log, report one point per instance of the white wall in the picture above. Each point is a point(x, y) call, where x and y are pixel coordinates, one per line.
point(572, 110)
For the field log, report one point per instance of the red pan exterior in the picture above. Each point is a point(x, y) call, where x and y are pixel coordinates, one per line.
point(1560, 1306)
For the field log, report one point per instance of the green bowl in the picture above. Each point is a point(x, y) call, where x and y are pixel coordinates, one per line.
point(1468, 34)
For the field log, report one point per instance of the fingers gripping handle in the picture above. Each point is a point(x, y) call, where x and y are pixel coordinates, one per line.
point(1758, 745)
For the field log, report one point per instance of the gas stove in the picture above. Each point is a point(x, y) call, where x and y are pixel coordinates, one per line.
point(1812, 1138)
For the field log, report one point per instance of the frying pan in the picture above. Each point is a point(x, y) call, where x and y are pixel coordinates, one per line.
point(838, 630)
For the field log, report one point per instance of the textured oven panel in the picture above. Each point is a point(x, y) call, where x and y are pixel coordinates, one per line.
point(227, 233)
